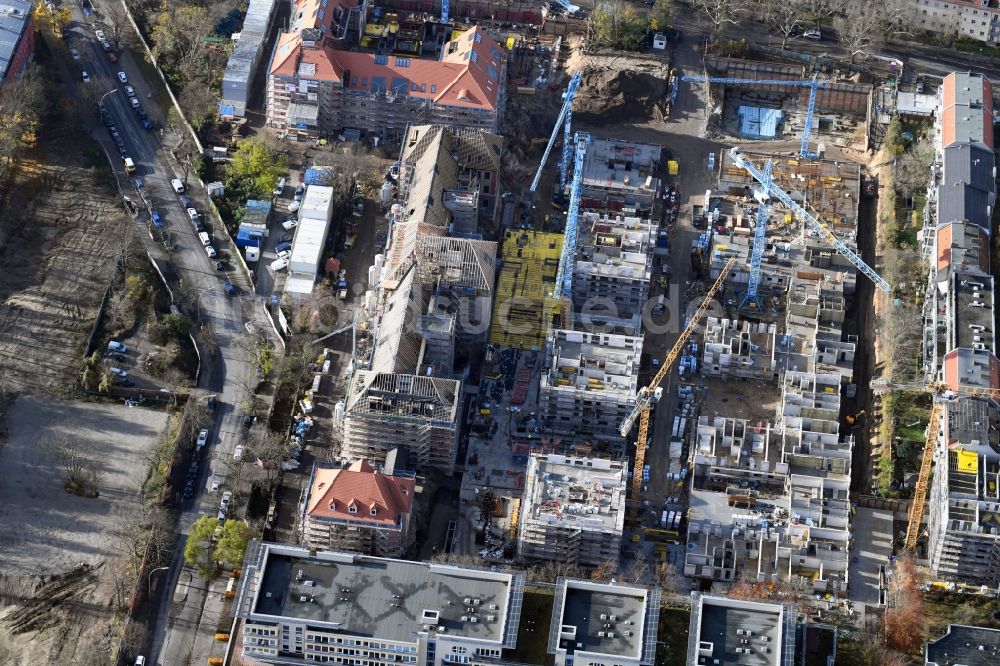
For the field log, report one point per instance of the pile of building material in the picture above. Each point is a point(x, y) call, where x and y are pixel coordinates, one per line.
point(612, 95)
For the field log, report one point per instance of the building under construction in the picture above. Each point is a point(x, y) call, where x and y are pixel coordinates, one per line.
point(525, 308)
point(573, 510)
point(384, 410)
point(613, 267)
point(590, 385)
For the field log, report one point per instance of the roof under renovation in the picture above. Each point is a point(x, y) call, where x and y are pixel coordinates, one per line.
point(405, 397)
point(580, 493)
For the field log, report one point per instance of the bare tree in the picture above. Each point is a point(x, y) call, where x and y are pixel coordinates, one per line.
point(819, 10)
point(83, 473)
point(188, 158)
point(912, 170)
point(785, 17)
point(721, 13)
point(638, 571)
point(270, 448)
point(116, 19)
point(605, 571)
point(863, 28)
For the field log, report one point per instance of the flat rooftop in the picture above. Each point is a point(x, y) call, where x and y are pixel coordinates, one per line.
point(728, 625)
point(375, 597)
point(621, 165)
point(601, 619)
point(588, 493)
point(615, 247)
point(966, 646)
point(973, 311)
point(594, 362)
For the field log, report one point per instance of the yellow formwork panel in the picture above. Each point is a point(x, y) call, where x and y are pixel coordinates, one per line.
point(524, 306)
point(968, 461)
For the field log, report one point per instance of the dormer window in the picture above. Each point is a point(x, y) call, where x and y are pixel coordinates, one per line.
point(374, 510)
point(352, 508)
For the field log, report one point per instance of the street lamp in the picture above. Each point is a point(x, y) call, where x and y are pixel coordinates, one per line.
point(149, 580)
point(100, 104)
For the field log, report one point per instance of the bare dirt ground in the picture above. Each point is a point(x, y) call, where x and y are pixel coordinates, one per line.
point(57, 238)
point(58, 551)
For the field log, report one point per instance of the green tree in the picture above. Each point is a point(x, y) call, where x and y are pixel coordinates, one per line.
point(254, 169)
point(662, 15)
point(232, 547)
point(198, 551)
point(90, 375)
point(617, 26)
point(137, 288)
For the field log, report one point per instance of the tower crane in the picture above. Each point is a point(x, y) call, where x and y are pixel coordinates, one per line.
point(563, 117)
point(757, 253)
point(644, 398)
point(938, 389)
point(564, 274)
point(445, 11)
point(767, 184)
point(813, 84)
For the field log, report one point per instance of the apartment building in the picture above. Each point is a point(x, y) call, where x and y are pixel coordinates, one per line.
point(974, 19)
point(963, 644)
point(601, 624)
point(386, 409)
point(739, 348)
point(302, 606)
point(801, 462)
point(17, 39)
point(590, 385)
point(359, 509)
point(964, 520)
point(612, 271)
point(572, 510)
point(731, 632)
point(314, 89)
point(620, 177)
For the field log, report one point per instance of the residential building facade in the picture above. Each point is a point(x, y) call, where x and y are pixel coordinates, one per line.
point(17, 38)
point(359, 509)
point(573, 510)
point(301, 606)
point(315, 90)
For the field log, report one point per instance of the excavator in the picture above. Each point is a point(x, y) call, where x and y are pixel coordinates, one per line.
point(854, 419)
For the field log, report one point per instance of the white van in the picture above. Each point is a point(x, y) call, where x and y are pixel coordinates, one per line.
point(177, 185)
point(279, 188)
point(205, 240)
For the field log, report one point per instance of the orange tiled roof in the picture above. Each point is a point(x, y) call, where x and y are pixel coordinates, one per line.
point(335, 491)
point(468, 75)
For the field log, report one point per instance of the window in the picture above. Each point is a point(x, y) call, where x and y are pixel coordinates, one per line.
point(352, 509)
point(364, 83)
point(381, 60)
point(423, 87)
point(434, 88)
point(354, 80)
point(402, 62)
point(474, 56)
point(322, 14)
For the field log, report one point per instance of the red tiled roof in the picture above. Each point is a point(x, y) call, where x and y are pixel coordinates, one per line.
point(944, 246)
point(467, 76)
point(335, 491)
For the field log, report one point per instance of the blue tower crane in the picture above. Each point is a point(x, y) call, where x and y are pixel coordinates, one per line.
point(752, 297)
point(768, 185)
point(812, 84)
point(564, 275)
point(563, 117)
point(445, 11)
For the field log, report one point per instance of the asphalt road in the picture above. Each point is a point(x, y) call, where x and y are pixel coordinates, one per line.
point(197, 282)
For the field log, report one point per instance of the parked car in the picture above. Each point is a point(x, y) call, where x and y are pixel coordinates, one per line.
point(177, 185)
point(119, 372)
point(279, 187)
point(214, 488)
point(251, 329)
point(286, 238)
point(284, 254)
point(300, 192)
point(186, 201)
point(85, 76)
point(289, 224)
point(219, 265)
point(123, 79)
point(114, 345)
point(238, 452)
point(210, 251)
point(283, 246)
point(157, 220)
point(813, 34)
point(126, 382)
point(130, 91)
point(205, 240)
point(202, 438)
point(188, 490)
point(227, 497)
point(135, 103)
point(279, 264)
point(100, 35)
point(230, 288)
point(106, 46)
point(75, 54)
point(192, 472)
